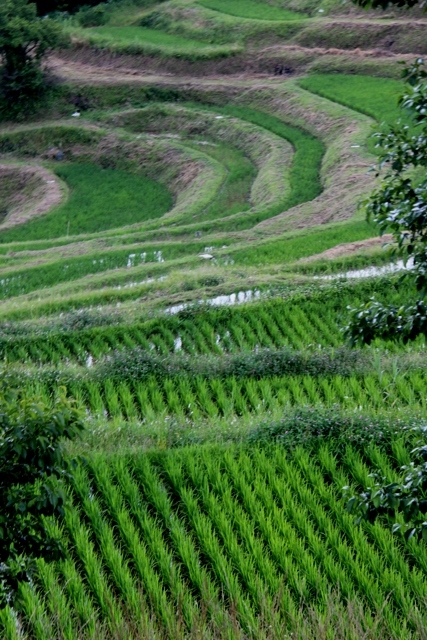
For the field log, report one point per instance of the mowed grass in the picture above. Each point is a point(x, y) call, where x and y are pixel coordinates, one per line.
point(250, 9)
point(375, 97)
point(99, 199)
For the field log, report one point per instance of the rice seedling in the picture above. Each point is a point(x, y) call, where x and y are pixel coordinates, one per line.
point(8, 624)
point(208, 541)
point(137, 547)
point(127, 401)
point(95, 400)
point(372, 589)
point(222, 400)
point(184, 544)
point(112, 400)
point(204, 398)
point(58, 605)
point(79, 598)
point(111, 554)
point(94, 571)
point(156, 398)
point(142, 397)
point(34, 612)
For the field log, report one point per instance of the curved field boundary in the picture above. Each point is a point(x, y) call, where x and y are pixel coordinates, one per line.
point(303, 176)
point(183, 170)
point(27, 191)
point(270, 152)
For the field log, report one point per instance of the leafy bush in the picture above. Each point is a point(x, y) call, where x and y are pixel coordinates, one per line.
point(375, 320)
point(92, 16)
point(407, 497)
point(400, 206)
point(31, 462)
point(24, 41)
point(308, 425)
point(137, 364)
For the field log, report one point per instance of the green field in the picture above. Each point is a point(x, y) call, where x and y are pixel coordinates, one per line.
point(190, 294)
point(143, 40)
point(98, 199)
point(376, 97)
point(250, 9)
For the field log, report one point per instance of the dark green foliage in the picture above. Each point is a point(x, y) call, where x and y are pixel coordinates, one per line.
point(24, 41)
point(92, 16)
point(309, 426)
point(375, 320)
point(52, 6)
point(31, 461)
point(407, 497)
point(400, 206)
point(384, 4)
point(138, 364)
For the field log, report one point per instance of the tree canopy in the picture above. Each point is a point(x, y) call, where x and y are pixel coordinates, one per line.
point(25, 39)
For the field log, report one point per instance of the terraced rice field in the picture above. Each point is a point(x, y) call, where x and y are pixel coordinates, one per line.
point(177, 287)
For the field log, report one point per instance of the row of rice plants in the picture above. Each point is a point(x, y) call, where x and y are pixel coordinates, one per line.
point(208, 538)
point(200, 397)
point(372, 541)
point(207, 333)
point(313, 320)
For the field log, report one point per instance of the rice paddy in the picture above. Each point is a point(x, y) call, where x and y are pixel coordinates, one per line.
point(237, 541)
point(250, 9)
point(170, 294)
point(98, 199)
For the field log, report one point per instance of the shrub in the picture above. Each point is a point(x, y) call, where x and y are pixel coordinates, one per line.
point(31, 462)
